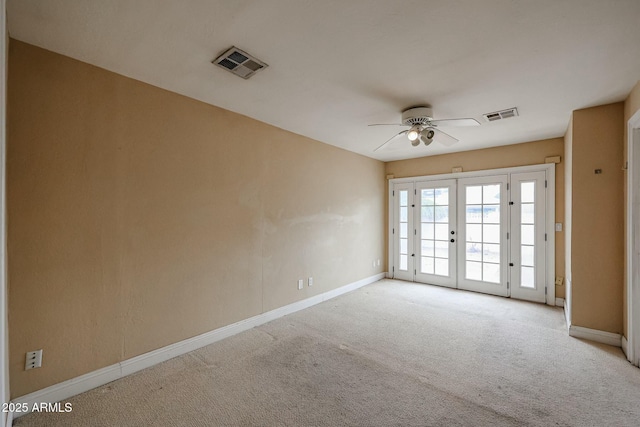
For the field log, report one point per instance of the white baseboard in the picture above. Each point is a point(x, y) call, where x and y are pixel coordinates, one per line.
point(596, 335)
point(624, 345)
point(66, 389)
point(560, 302)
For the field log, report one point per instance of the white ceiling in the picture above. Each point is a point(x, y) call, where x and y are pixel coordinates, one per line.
point(336, 66)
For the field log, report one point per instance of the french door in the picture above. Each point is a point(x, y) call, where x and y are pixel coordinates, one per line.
point(436, 232)
point(528, 237)
point(485, 234)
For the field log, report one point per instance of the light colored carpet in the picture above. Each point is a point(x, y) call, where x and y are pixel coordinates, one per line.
point(389, 354)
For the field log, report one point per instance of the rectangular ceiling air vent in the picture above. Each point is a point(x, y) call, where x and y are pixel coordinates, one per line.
point(239, 63)
point(499, 115)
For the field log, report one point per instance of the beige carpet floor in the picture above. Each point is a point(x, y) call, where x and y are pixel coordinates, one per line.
point(389, 354)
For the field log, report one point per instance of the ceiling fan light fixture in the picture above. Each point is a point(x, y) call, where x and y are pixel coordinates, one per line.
point(426, 136)
point(414, 133)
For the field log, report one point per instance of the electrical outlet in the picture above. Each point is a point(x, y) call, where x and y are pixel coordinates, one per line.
point(310, 281)
point(33, 360)
point(378, 262)
point(374, 263)
point(559, 281)
point(300, 284)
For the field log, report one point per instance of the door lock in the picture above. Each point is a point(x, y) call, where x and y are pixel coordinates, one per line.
point(453, 240)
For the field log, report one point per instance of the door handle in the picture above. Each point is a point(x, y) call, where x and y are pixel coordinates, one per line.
point(453, 240)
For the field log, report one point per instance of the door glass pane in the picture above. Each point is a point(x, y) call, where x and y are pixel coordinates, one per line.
point(442, 267)
point(474, 214)
point(527, 278)
point(403, 197)
point(442, 232)
point(403, 230)
point(427, 266)
point(527, 234)
point(403, 213)
point(474, 270)
point(427, 197)
point(442, 249)
point(427, 231)
point(474, 251)
point(483, 233)
point(442, 196)
point(474, 233)
point(491, 272)
point(427, 214)
point(527, 213)
point(434, 237)
point(527, 192)
point(403, 246)
point(474, 194)
point(491, 194)
point(491, 233)
point(526, 255)
point(490, 253)
point(442, 214)
point(403, 262)
point(491, 214)
point(403, 238)
point(427, 248)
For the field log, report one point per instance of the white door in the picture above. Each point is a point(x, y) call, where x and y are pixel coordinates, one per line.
point(528, 238)
point(482, 240)
point(435, 232)
point(403, 231)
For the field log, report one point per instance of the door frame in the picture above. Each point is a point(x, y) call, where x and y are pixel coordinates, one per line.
point(548, 168)
point(633, 245)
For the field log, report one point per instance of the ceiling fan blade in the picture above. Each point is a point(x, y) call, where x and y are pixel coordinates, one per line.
point(387, 124)
point(456, 122)
point(444, 138)
point(391, 139)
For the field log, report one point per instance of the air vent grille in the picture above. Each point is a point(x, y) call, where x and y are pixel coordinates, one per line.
point(239, 63)
point(499, 115)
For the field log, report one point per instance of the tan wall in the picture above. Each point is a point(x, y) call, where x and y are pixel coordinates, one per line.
point(597, 231)
point(531, 153)
point(138, 218)
point(631, 106)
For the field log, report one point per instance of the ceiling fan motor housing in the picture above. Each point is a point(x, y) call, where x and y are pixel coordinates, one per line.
point(417, 116)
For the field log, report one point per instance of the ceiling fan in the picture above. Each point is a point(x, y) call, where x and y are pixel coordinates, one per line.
point(422, 127)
